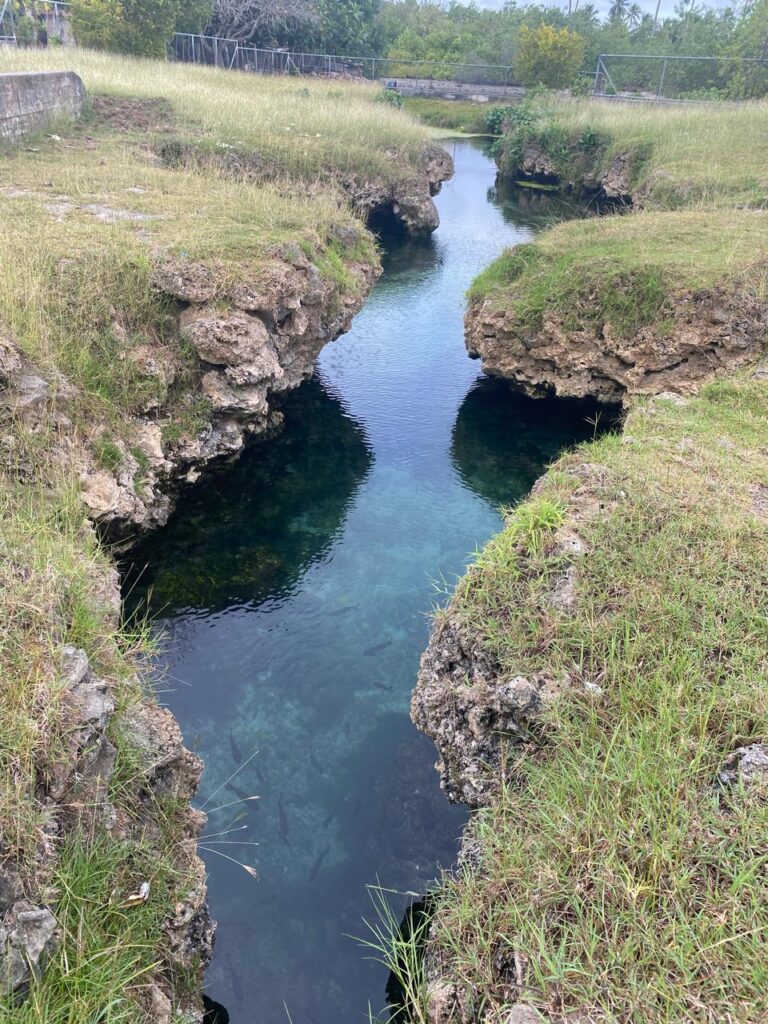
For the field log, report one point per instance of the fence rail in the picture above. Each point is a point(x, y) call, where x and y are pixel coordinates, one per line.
point(679, 79)
point(229, 53)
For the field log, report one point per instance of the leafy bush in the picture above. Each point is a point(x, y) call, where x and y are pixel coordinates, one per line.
point(128, 26)
point(548, 56)
point(391, 96)
point(26, 30)
point(495, 118)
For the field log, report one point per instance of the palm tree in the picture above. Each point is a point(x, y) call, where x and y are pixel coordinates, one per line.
point(618, 10)
point(633, 15)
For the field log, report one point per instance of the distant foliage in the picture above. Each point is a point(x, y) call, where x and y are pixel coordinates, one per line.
point(496, 117)
point(140, 27)
point(463, 33)
point(333, 26)
point(548, 56)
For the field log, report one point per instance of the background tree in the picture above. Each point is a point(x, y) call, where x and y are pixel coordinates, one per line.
point(268, 23)
point(548, 56)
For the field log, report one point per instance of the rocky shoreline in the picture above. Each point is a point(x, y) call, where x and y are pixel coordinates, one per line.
point(252, 340)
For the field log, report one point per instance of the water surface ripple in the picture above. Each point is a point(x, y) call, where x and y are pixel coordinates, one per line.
point(293, 588)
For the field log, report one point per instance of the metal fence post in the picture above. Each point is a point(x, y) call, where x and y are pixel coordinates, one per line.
point(661, 80)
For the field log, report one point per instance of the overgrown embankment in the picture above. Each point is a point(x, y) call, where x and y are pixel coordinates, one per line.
point(655, 156)
point(176, 262)
point(597, 684)
point(624, 305)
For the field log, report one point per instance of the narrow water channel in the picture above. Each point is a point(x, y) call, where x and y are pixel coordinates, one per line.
point(293, 589)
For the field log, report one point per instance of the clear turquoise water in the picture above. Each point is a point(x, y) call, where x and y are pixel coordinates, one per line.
point(293, 589)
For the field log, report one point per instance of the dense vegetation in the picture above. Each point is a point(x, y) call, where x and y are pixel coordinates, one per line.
point(463, 33)
point(459, 33)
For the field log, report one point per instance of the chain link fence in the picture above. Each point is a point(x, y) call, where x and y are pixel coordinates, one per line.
point(678, 79)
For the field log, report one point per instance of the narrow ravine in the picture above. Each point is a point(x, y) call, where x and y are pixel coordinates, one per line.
point(292, 590)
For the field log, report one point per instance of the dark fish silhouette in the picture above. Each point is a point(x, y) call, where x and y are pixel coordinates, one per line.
point(382, 686)
point(237, 988)
point(377, 647)
point(314, 871)
point(241, 794)
point(282, 821)
point(237, 755)
point(260, 775)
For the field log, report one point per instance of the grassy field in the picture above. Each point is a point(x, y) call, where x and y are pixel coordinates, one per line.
point(309, 128)
point(628, 885)
point(621, 270)
point(456, 115)
point(707, 155)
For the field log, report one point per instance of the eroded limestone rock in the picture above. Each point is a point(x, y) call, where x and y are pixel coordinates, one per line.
point(27, 937)
point(704, 335)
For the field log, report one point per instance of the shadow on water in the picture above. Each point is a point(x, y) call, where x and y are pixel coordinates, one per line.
point(502, 439)
point(293, 590)
point(298, 498)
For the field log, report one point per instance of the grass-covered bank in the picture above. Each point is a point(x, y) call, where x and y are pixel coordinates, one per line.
point(173, 261)
point(664, 156)
point(672, 292)
point(454, 115)
point(600, 672)
point(616, 879)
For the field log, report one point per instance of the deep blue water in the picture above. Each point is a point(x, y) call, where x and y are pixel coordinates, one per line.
point(293, 589)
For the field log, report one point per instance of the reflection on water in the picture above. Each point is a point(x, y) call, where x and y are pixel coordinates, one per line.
point(293, 589)
point(495, 439)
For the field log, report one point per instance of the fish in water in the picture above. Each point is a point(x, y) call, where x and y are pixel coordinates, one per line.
point(260, 774)
point(282, 821)
point(315, 763)
point(377, 647)
point(237, 754)
point(237, 988)
point(382, 686)
point(314, 871)
point(343, 611)
point(241, 794)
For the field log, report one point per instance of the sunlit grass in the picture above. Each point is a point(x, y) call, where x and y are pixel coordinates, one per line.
point(309, 127)
point(708, 154)
point(621, 269)
point(622, 881)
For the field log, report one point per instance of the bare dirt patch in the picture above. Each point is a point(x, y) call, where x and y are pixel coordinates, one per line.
point(131, 114)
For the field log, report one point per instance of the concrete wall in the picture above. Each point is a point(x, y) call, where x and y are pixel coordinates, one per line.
point(32, 99)
point(445, 90)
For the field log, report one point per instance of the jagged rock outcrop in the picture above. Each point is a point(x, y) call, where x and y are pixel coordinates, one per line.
point(614, 183)
point(694, 338)
point(409, 200)
point(253, 341)
point(73, 794)
point(466, 702)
